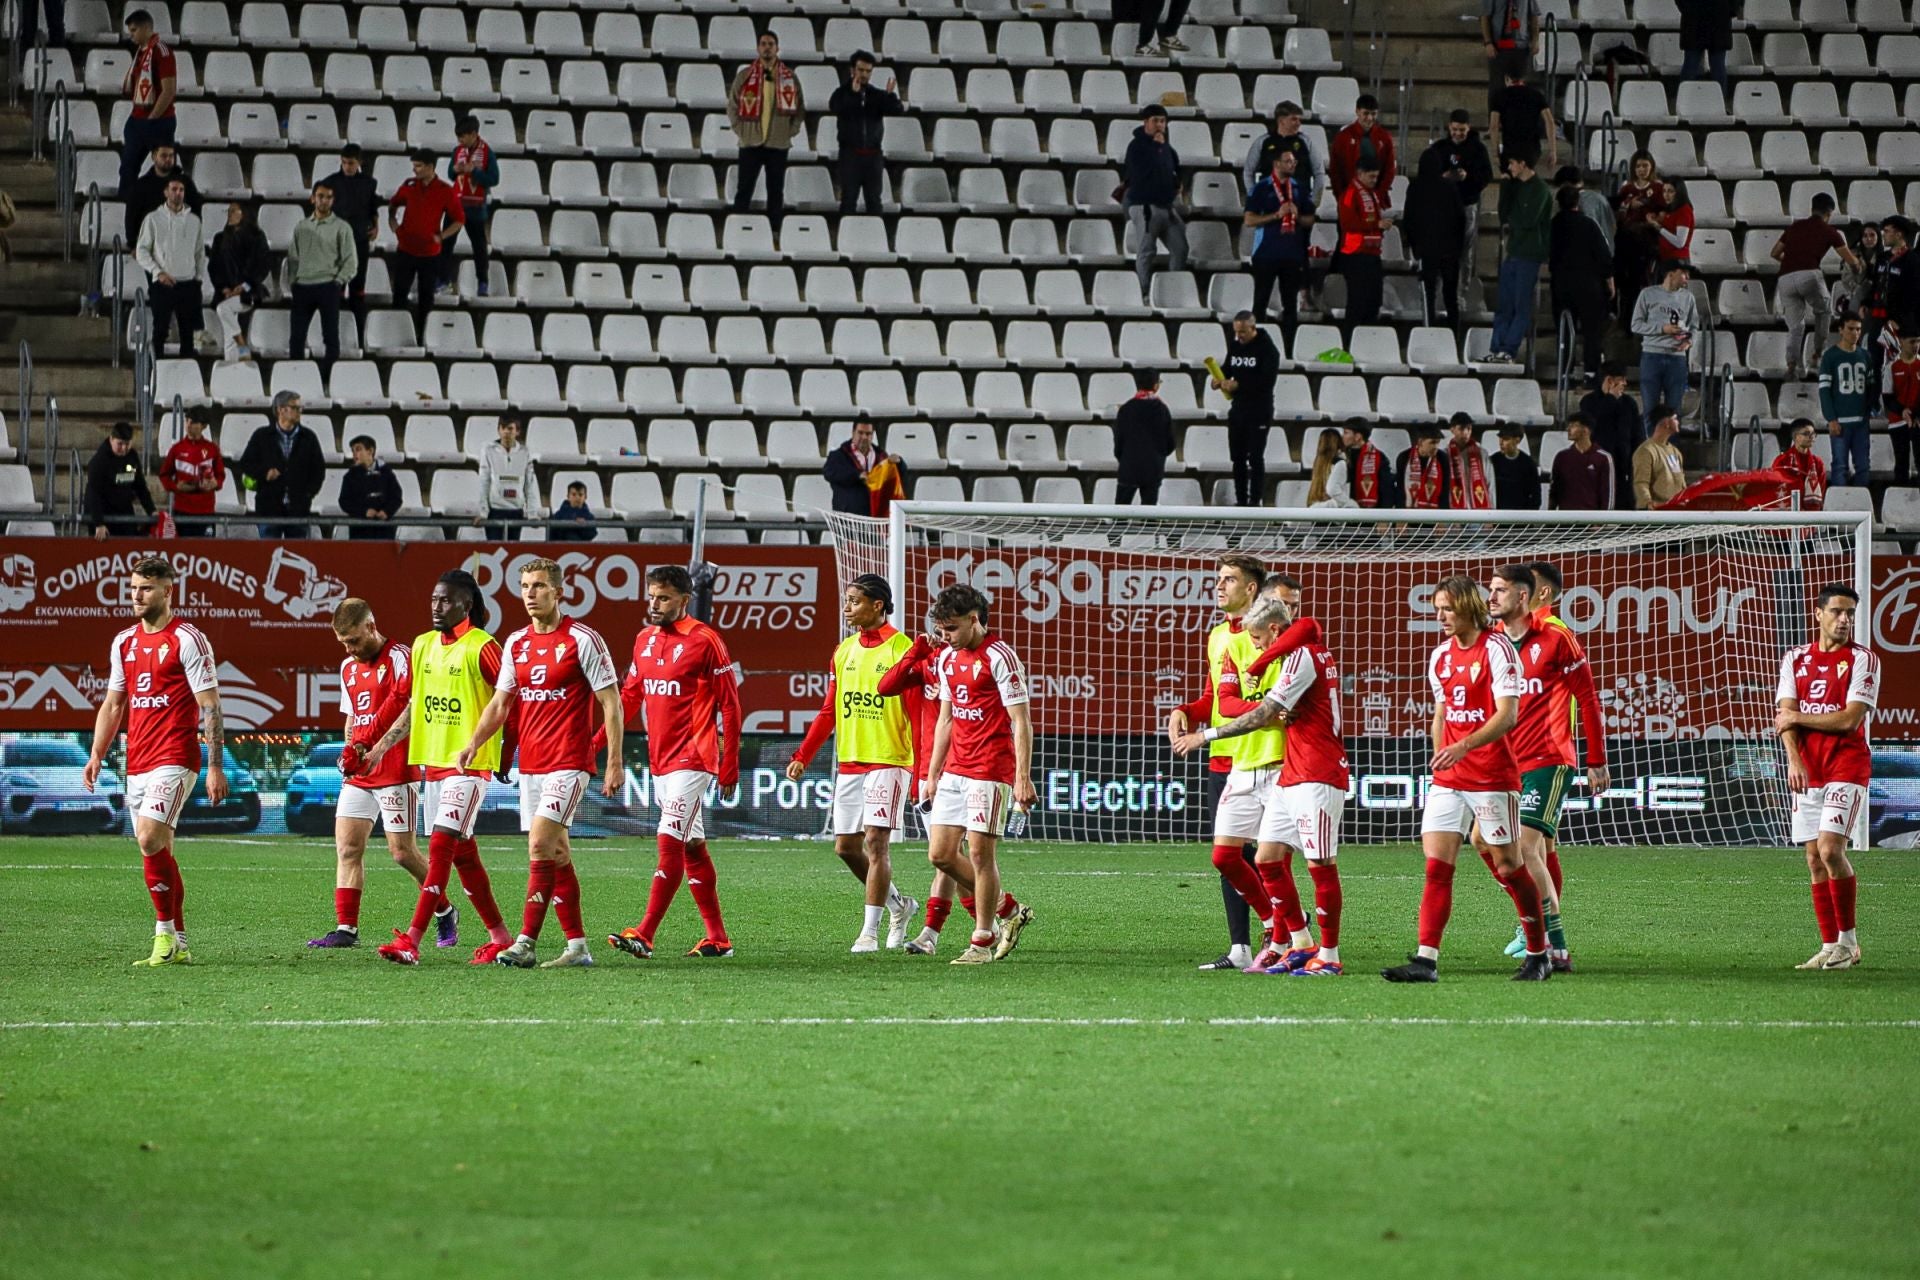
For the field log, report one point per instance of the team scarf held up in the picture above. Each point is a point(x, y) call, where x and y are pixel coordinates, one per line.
point(1469, 490)
point(1424, 481)
point(786, 92)
point(1371, 460)
point(476, 157)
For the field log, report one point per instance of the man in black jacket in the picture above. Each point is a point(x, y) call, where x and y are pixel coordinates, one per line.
point(1248, 371)
point(1142, 441)
point(1265, 152)
point(150, 190)
point(369, 491)
point(1152, 178)
point(1617, 427)
point(1468, 168)
point(1582, 276)
point(849, 467)
point(115, 486)
point(1435, 227)
point(357, 202)
point(1516, 476)
point(861, 111)
point(284, 467)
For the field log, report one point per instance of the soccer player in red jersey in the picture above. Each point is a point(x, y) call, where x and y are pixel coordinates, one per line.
point(1476, 682)
point(552, 673)
point(916, 678)
point(163, 681)
point(683, 677)
point(391, 796)
point(1547, 589)
point(1828, 692)
point(981, 767)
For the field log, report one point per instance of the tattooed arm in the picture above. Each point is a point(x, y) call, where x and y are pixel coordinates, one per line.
point(1268, 712)
point(213, 728)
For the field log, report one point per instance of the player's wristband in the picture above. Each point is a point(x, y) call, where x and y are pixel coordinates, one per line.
point(1210, 734)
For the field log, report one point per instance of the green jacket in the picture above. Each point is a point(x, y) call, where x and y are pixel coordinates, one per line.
point(322, 252)
point(1526, 211)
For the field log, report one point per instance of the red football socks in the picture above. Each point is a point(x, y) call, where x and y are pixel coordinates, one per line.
point(938, 909)
point(433, 890)
point(346, 908)
point(1841, 890)
point(706, 892)
point(1526, 900)
point(479, 889)
point(1008, 905)
point(1326, 900)
point(1553, 870)
point(163, 883)
point(1282, 896)
point(1233, 868)
point(540, 879)
point(566, 901)
point(1436, 902)
point(672, 868)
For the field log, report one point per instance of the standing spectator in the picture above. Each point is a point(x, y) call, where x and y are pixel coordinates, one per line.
point(1803, 465)
point(1900, 280)
point(320, 266)
point(1423, 473)
point(1264, 152)
point(1637, 234)
point(1673, 225)
point(1516, 476)
point(1902, 400)
point(1509, 32)
point(1665, 316)
point(115, 485)
point(150, 189)
point(572, 520)
point(1851, 292)
point(473, 170)
point(1248, 372)
point(1166, 26)
point(194, 473)
point(1359, 145)
point(238, 265)
point(425, 213)
point(1329, 485)
point(1802, 290)
point(1526, 213)
point(284, 466)
point(1617, 426)
point(1435, 223)
point(1375, 481)
point(1659, 472)
point(149, 86)
point(1521, 123)
point(1466, 166)
point(1847, 384)
point(1280, 212)
point(1582, 278)
point(1142, 442)
point(1706, 34)
point(1583, 477)
point(1362, 228)
point(1596, 206)
point(766, 108)
point(1468, 488)
point(56, 11)
point(173, 254)
point(865, 481)
point(506, 479)
point(357, 202)
point(369, 491)
point(861, 112)
point(1152, 178)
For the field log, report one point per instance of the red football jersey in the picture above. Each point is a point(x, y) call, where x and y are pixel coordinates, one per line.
point(161, 672)
point(683, 678)
point(1309, 686)
point(916, 678)
point(1467, 680)
point(364, 689)
point(1557, 675)
point(980, 684)
point(1821, 681)
point(556, 676)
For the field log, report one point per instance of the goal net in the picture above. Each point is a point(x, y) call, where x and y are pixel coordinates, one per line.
point(1684, 616)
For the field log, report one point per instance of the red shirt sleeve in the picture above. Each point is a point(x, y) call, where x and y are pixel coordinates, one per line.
point(1231, 703)
point(1587, 697)
point(1304, 631)
point(904, 675)
point(726, 697)
point(168, 479)
point(399, 703)
point(490, 656)
point(822, 727)
point(1200, 710)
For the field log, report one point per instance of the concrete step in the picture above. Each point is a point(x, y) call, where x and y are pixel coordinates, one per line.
point(57, 338)
point(29, 182)
point(63, 379)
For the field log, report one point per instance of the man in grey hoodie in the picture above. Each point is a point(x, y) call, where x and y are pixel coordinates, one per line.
point(1665, 316)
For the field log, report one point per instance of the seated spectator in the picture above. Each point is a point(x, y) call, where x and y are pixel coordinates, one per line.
point(572, 520)
point(1582, 473)
point(1800, 461)
point(369, 491)
point(506, 480)
point(1422, 472)
point(1659, 472)
point(1329, 486)
point(1617, 427)
point(1375, 481)
point(116, 484)
point(1516, 476)
point(194, 473)
point(865, 482)
point(238, 265)
point(1902, 400)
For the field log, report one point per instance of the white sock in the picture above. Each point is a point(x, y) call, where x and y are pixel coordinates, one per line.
point(895, 899)
point(163, 928)
point(1302, 939)
point(1848, 939)
point(442, 911)
point(180, 938)
point(872, 925)
point(348, 928)
point(930, 932)
point(522, 938)
point(1330, 955)
point(1429, 953)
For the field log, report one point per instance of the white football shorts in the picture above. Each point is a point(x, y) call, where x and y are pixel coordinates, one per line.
point(1244, 803)
point(973, 803)
point(1832, 809)
point(876, 798)
point(1451, 812)
point(158, 795)
point(1307, 817)
point(395, 808)
point(455, 803)
point(554, 796)
point(683, 803)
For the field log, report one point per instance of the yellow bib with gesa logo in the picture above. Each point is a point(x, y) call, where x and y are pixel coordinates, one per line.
point(869, 728)
point(449, 693)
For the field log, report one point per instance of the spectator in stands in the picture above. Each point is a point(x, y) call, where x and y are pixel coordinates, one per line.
point(1659, 472)
point(1617, 426)
point(1285, 135)
point(1509, 32)
point(1423, 472)
point(425, 213)
point(1582, 278)
point(369, 491)
point(1375, 481)
point(1248, 372)
point(1435, 224)
point(1521, 123)
point(1899, 281)
point(1673, 225)
point(865, 482)
point(766, 107)
point(1634, 251)
point(1665, 316)
point(861, 112)
point(150, 86)
point(1799, 461)
point(1280, 212)
point(357, 202)
point(1582, 477)
point(473, 170)
point(1467, 168)
point(1329, 485)
point(115, 486)
point(284, 466)
point(1153, 22)
point(320, 268)
point(1468, 486)
point(173, 253)
point(506, 479)
point(1526, 215)
point(1363, 226)
point(1596, 206)
point(1142, 442)
point(1902, 402)
point(238, 265)
point(1362, 143)
point(1152, 179)
point(572, 520)
point(150, 189)
point(1802, 290)
point(1847, 381)
point(1516, 476)
point(56, 11)
point(194, 473)
point(1851, 293)
point(1706, 34)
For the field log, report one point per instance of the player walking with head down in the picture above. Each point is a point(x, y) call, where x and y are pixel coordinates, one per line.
point(551, 674)
point(162, 680)
point(1828, 692)
point(915, 681)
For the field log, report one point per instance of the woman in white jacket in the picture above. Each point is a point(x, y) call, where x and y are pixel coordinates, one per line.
point(1330, 486)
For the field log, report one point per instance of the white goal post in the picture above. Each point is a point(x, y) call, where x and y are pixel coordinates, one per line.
point(1685, 615)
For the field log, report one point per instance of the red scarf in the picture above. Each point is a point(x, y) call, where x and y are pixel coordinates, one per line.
point(1424, 485)
point(1366, 491)
point(1809, 473)
point(478, 156)
point(1360, 221)
point(1469, 491)
point(786, 95)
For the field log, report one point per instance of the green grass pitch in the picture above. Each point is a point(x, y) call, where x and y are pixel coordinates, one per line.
point(1685, 1105)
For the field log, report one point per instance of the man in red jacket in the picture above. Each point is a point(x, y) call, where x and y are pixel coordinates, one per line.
point(1362, 225)
point(194, 473)
point(1803, 464)
point(1361, 141)
point(425, 213)
point(1902, 398)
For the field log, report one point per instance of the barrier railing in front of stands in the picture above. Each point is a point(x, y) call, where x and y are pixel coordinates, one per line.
point(143, 361)
point(66, 161)
point(74, 491)
point(1565, 341)
point(119, 287)
point(52, 430)
point(23, 410)
point(677, 528)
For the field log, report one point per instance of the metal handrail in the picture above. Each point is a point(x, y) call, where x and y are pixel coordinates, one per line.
point(1612, 144)
point(1405, 113)
point(176, 422)
point(38, 111)
point(66, 163)
point(1583, 84)
point(73, 490)
point(90, 297)
point(14, 68)
point(1565, 335)
point(24, 390)
point(119, 287)
point(1551, 29)
point(143, 361)
point(53, 435)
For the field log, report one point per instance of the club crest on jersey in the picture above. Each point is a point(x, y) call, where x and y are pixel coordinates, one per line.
point(1473, 672)
point(164, 649)
point(559, 652)
point(1533, 651)
point(1841, 670)
point(678, 650)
